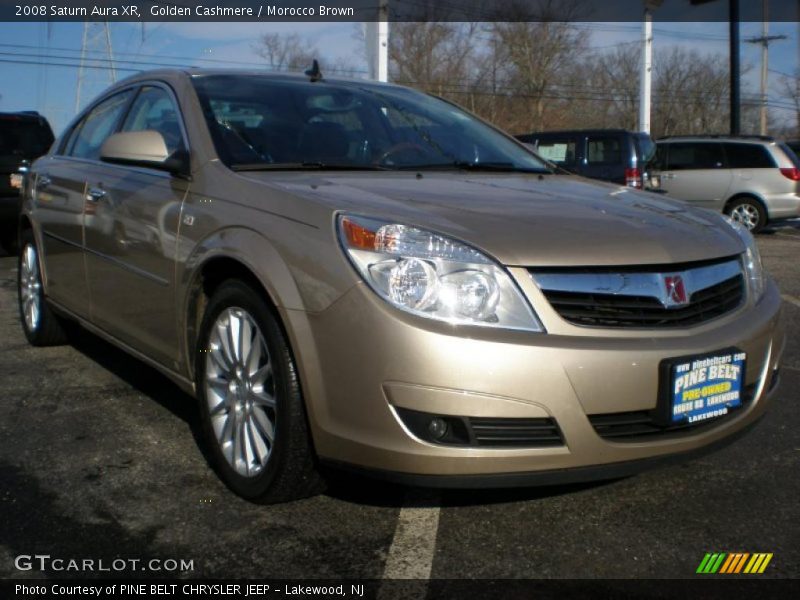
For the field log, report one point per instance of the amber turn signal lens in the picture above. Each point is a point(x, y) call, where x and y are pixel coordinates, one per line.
point(358, 236)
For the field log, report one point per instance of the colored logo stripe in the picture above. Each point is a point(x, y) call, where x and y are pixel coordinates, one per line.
point(758, 563)
point(711, 562)
point(733, 563)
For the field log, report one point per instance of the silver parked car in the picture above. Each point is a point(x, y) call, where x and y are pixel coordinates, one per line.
point(753, 179)
point(361, 275)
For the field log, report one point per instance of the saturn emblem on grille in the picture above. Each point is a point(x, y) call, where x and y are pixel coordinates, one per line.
point(675, 291)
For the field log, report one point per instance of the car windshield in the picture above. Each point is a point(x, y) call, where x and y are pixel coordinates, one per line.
point(270, 123)
point(24, 137)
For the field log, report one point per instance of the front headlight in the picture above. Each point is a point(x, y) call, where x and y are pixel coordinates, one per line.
point(751, 260)
point(433, 276)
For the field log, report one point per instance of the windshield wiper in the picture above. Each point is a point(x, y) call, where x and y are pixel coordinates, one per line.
point(305, 166)
point(501, 167)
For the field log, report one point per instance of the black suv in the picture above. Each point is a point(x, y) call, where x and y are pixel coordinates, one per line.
point(24, 136)
point(615, 155)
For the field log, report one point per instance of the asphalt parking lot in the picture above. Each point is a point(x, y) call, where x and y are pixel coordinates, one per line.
point(99, 458)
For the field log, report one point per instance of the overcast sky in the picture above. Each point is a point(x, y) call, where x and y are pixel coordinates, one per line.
point(28, 83)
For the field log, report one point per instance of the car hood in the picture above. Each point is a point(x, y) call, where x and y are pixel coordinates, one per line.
point(528, 220)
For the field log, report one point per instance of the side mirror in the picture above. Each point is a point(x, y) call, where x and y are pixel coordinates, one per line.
point(145, 149)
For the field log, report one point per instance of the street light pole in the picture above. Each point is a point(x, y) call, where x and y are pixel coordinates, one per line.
point(645, 88)
point(733, 20)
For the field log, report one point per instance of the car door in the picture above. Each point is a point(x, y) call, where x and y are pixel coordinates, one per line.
point(131, 237)
point(59, 192)
point(696, 172)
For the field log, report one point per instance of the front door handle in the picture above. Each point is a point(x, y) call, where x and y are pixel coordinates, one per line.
point(95, 194)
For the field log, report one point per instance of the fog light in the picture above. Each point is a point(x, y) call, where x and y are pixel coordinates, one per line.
point(437, 428)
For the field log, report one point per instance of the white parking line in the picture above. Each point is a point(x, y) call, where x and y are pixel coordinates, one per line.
point(414, 543)
point(791, 299)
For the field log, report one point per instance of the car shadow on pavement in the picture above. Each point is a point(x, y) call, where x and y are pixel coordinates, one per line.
point(140, 376)
point(35, 521)
point(364, 490)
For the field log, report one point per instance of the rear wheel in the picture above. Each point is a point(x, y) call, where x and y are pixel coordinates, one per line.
point(252, 409)
point(749, 212)
point(41, 325)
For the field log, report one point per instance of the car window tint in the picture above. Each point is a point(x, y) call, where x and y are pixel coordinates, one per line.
point(686, 156)
point(646, 147)
point(603, 151)
point(660, 159)
point(791, 153)
point(154, 110)
point(24, 137)
point(97, 126)
point(561, 152)
point(748, 156)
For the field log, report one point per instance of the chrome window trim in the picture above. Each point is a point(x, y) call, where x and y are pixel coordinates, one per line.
point(648, 284)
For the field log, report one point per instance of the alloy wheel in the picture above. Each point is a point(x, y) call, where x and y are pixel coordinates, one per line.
point(746, 214)
point(240, 391)
point(30, 287)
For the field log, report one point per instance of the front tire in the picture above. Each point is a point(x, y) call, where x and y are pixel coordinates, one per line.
point(749, 212)
point(41, 325)
point(251, 406)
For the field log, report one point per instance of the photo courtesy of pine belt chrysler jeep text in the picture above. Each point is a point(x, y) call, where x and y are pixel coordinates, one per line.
point(358, 275)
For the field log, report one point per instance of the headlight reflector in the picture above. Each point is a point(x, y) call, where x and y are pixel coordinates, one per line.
point(434, 276)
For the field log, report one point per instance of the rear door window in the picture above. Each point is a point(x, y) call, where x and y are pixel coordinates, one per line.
point(684, 156)
point(603, 150)
point(748, 156)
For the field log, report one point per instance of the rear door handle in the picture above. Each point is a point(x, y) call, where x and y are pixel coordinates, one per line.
point(95, 194)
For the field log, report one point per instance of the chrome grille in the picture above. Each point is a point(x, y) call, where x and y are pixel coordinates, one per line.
point(605, 298)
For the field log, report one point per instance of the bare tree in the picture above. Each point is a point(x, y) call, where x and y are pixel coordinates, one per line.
point(290, 52)
point(286, 52)
point(790, 90)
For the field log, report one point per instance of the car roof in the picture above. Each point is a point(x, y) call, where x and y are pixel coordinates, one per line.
point(751, 139)
point(197, 72)
point(582, 131)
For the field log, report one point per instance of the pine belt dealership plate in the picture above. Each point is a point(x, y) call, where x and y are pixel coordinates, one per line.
point(705, 387)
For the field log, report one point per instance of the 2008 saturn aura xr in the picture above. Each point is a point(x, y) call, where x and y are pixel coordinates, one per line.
point(360, 275)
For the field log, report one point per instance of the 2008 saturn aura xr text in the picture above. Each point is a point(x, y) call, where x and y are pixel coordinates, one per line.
point(360, 275)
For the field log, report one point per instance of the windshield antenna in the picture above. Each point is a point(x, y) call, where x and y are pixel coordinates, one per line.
point(313, 72)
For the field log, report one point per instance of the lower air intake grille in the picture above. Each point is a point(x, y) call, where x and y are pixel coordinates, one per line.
point(635, 425)
point(486, 432)
point(515, 432)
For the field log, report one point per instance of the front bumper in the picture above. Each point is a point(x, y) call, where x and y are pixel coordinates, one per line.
point(362, 360)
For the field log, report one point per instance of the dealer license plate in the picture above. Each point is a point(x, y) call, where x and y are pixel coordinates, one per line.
point(707, 387)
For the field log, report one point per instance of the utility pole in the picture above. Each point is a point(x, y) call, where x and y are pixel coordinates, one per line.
point(764, 40)
point(377, 35)
point(97, 41)
point(646, 76)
